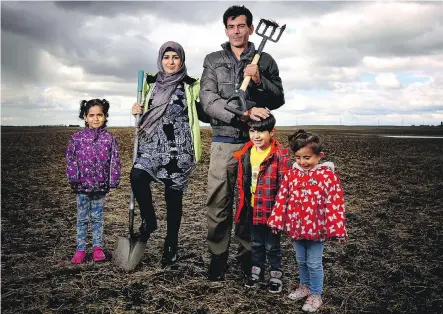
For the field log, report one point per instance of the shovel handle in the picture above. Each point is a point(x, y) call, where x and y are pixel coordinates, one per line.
point(247, 79)
point(141, 75)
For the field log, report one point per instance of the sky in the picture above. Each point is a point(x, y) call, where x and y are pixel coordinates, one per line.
point(349, 63)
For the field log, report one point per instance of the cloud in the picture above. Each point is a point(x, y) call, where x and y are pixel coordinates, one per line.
point(202, 11)
point(387, 80)
point(339, 61)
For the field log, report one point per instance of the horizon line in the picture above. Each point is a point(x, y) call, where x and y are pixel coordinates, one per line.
point(208, 126)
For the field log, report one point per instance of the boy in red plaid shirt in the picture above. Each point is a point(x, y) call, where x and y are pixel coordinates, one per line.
point(262, 164)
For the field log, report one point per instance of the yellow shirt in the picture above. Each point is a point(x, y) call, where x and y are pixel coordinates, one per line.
point(256, 160)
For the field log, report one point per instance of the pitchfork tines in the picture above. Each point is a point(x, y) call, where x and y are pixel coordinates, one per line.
point(273, 26)
point(240, 94)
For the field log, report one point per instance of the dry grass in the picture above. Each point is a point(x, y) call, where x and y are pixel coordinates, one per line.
point(392, 264)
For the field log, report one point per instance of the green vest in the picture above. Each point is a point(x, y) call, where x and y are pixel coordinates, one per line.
point(192, 96)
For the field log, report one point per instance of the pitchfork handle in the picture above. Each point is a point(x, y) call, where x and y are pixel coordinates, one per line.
point(247, 79)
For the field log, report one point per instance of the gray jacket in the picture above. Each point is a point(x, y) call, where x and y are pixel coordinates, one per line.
point(222, 74)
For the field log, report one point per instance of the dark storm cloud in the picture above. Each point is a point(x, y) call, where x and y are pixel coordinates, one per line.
point(202, 12)
point(30, 20)
point(56, 28)
point(175, 11)
point(47, 44)
point(403, 43)
point(382, 37)
point(44, 24)
point(30, 28)
point(19, 59)
point(295, 9)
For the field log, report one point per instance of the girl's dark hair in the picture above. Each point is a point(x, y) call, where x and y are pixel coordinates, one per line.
point(236, 10)
point(85, 105)
point(301, 139)
point(263, 125)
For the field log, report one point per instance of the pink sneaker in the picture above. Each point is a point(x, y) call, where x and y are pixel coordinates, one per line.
point(301, 292)
point(313, 303)
point(97, 254)
point(79, 257)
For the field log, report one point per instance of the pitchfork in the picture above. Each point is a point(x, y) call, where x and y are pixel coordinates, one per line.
point(240, 94)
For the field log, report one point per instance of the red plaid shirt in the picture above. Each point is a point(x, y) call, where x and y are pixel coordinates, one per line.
point(269, 179)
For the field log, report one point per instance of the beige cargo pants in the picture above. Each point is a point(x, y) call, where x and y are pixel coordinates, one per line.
point(222, 179)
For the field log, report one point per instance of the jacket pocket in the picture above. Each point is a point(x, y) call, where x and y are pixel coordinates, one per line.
point(224, 73)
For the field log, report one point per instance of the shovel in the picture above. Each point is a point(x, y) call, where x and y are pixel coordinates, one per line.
point(240, 95)
point(129, 251)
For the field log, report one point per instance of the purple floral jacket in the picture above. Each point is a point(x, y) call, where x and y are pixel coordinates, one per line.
point(93, 163)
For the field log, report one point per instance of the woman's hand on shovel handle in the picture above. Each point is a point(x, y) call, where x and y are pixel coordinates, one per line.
point(137, 109)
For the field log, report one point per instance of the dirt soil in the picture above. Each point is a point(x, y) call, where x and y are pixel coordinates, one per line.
point(392, 263)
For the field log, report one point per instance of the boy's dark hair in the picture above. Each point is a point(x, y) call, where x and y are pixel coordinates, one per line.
point(85, 105)
point(301, 139)
point(236, 10)
point(263, 125)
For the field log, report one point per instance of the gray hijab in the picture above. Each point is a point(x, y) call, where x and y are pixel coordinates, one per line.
point(165, 85)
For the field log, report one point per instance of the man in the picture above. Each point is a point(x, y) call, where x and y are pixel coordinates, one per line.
point(223, 73)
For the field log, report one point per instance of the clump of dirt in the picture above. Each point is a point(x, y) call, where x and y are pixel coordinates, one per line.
point(392, 263)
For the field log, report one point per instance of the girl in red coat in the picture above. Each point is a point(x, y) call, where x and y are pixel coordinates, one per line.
point(310, 208)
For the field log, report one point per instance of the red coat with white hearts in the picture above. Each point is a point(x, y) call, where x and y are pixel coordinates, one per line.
point(310, 204)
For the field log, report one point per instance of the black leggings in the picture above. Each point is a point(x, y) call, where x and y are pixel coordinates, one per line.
point(141, 187)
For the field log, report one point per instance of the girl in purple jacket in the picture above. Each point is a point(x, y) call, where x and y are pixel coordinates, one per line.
point(93, 167)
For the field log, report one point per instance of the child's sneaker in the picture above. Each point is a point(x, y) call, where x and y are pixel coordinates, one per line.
point(313, 303)
point(79, 257)
point(97, 254)
point(275, 283)
point(254, 280)
point(301, 292)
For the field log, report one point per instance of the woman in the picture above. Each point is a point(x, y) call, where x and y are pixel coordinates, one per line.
point(169, 142)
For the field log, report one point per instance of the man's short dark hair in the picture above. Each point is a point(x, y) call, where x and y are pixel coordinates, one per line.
point(236, 10)
point(263, 125)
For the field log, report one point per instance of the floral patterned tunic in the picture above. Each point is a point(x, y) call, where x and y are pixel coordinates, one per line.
point(168, 155)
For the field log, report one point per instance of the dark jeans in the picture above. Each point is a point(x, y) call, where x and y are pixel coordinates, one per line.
point(141, 187)
point(265, 244)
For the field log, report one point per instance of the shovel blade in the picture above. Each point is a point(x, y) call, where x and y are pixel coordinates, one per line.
point(128, 253)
